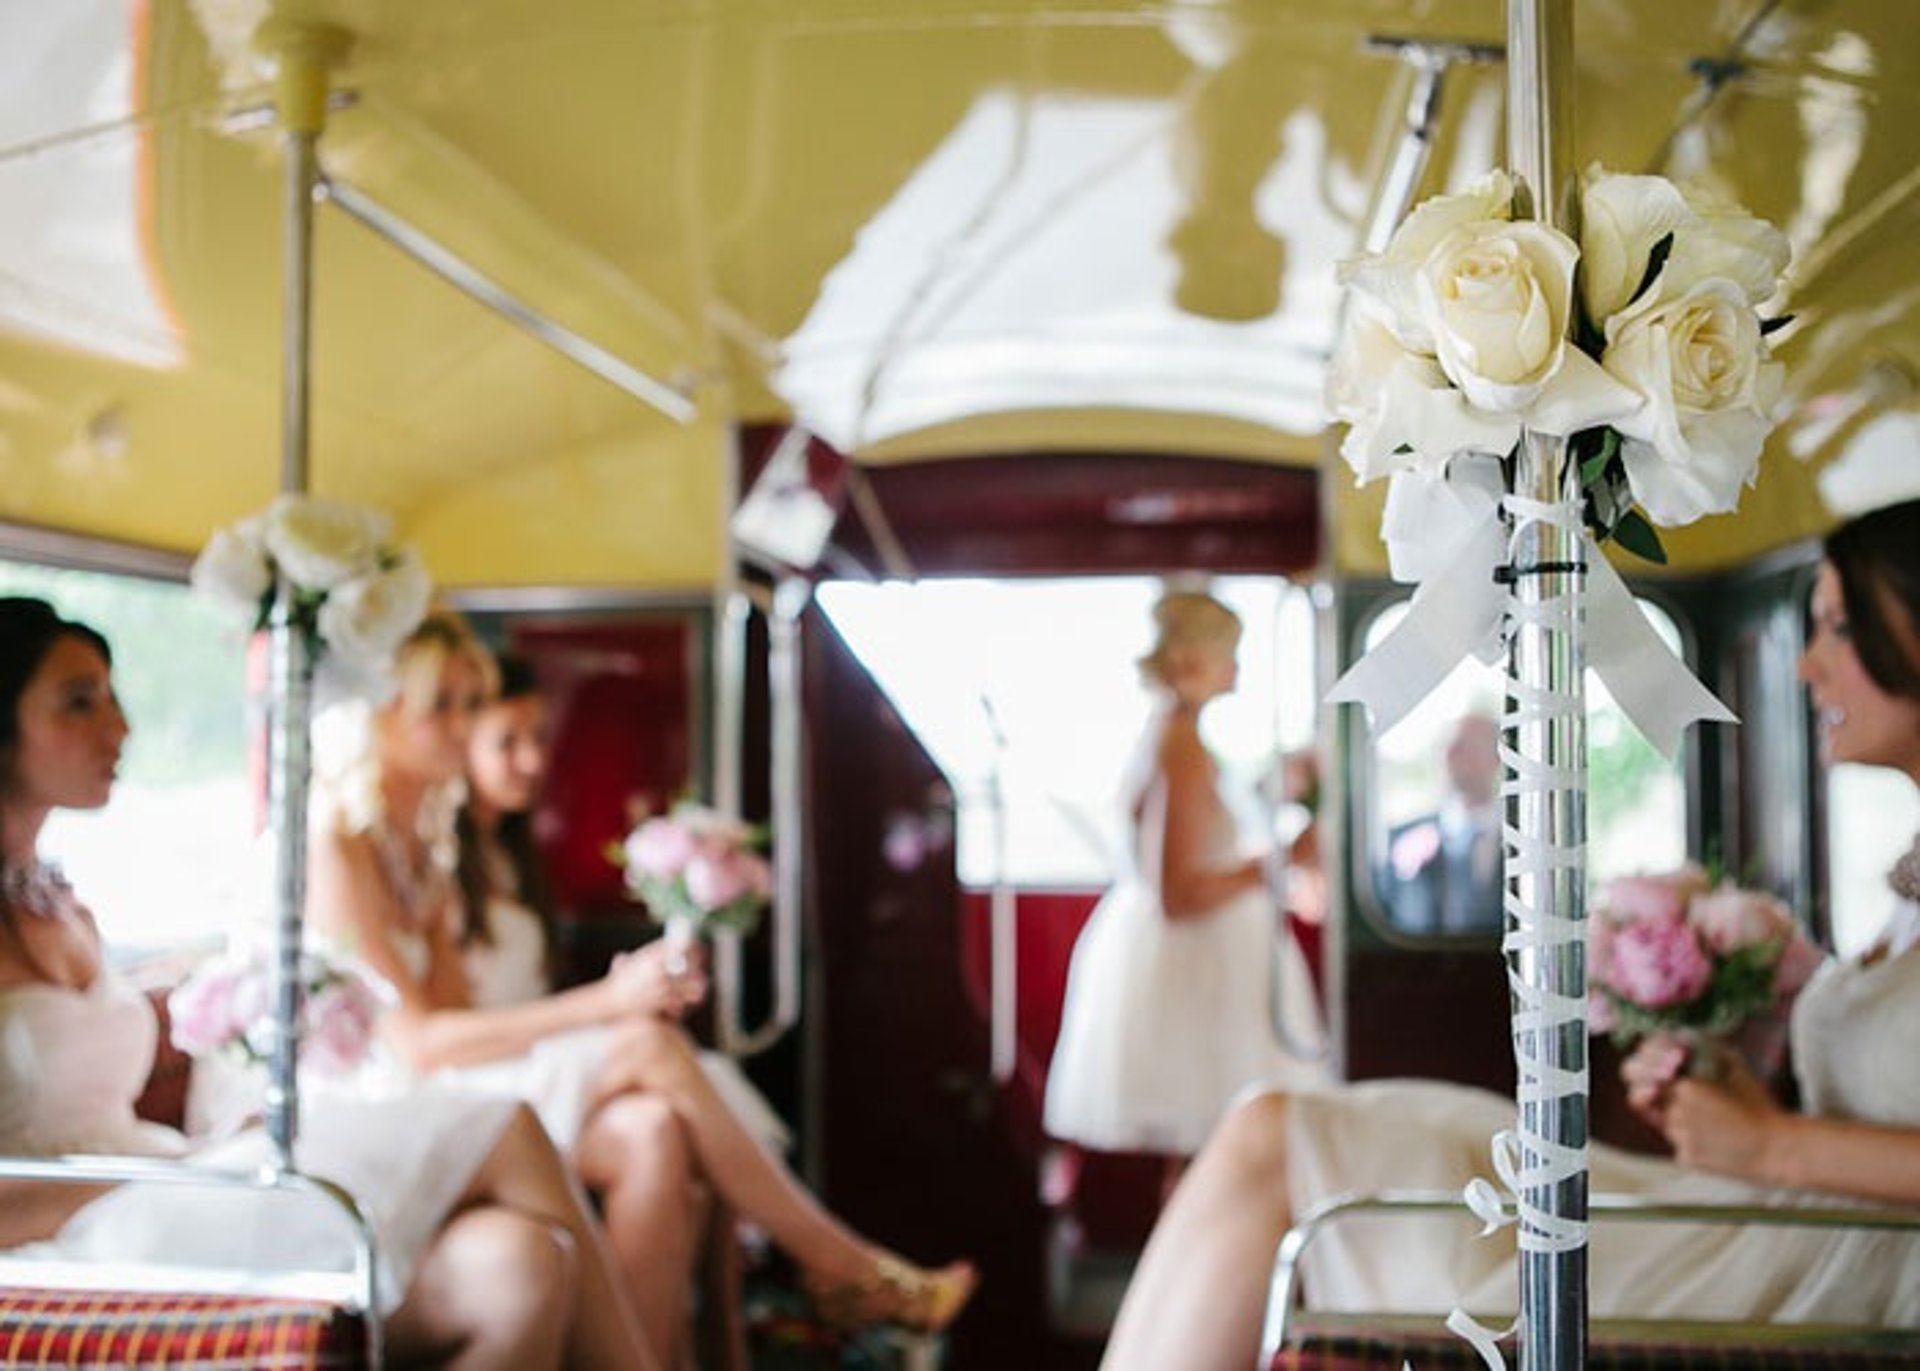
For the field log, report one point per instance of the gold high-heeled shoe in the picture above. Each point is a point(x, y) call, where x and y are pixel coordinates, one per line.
point(897, 1293)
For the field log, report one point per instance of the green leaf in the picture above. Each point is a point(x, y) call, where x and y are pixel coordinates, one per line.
point(1403, 449)
point(1656, 260)
point(1637, 536)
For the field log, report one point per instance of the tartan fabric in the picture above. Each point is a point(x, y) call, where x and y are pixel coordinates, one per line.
point(1443, 1352)
point(85, 1328)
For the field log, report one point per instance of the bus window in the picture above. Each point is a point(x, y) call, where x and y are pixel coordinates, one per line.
point(1871, 817)
point(1428, 807)
point(167, 865)
point(1026, 695)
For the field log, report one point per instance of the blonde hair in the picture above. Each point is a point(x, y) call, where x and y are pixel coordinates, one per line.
point(1185, 622)
point(347, 747)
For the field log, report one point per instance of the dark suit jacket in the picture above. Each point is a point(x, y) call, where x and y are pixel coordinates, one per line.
point(1430, 889)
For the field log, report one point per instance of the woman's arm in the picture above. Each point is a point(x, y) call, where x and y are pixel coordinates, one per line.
point(31, 1210)
point(1188, 807)
point(434, 1024)
point(1742, 1133)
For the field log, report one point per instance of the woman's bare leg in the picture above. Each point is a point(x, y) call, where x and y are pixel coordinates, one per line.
point(495, 1290)
point(655, 1057)
point(634, 1154)
point(525, 1172)
point(1197, 1299)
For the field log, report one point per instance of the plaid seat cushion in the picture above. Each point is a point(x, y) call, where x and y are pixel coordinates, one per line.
point(87, 1328)
point(1433, 1352)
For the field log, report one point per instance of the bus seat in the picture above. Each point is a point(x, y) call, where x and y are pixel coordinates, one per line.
point(87, 1327)
point(1296, 1339)
point(93, 1328)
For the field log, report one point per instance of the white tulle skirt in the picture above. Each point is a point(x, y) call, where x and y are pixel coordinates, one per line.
point(1166, 1021)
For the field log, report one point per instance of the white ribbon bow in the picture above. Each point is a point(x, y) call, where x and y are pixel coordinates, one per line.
point(1447, 535)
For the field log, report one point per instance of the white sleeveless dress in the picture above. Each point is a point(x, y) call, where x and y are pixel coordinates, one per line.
point(559, 1076)
point(1856, 1043)
point(1165, 1021)
point(72, 1063)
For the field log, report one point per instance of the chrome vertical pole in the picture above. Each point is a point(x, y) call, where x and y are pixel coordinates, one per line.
point(305, 56)
point(1545, 749)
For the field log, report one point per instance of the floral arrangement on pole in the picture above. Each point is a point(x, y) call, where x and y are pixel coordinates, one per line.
point(225, 1008)
point(1641, 343)
point(696, 870)
point(356, 596)
point(1714, 966)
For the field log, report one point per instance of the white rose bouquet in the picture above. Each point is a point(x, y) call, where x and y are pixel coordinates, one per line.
point(1641, 344)
point(355, 595)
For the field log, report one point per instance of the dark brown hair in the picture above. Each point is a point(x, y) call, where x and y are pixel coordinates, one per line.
point(514, 836)
point(1877, 557)
point(28, 630)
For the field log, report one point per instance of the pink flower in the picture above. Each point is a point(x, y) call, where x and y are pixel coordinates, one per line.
point(339, 1025)
point(1657, 963)
point(715, 881)
point(1730, 918)
point(660, 848)
point(201, 1009)
point(1413, 849)
point(1630, 899)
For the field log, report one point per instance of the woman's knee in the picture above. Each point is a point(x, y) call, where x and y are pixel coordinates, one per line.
point(653, 1052)
point(499, 1276)
point(1253, 1136)
point(634, 1126)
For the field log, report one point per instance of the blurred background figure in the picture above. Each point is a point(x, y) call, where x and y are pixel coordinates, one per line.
point(1442, 870)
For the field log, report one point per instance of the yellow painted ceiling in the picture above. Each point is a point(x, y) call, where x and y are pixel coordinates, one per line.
point(925, 227)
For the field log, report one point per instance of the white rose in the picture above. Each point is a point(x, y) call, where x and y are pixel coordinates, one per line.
point(1404, 415)
point(320, 543)
point(1388, 277)
point(1727, 243)
point(1495, 297)
point(233, 567)
point(1623, 217)
point(1700, 365)
point(367, 618)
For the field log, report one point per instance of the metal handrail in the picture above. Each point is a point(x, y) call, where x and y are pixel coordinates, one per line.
point(785, 672)
point(1277, 1328)
point(103, 1169)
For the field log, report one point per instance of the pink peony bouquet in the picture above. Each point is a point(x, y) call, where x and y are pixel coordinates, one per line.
point(1677, 954)
point(226, 1007)
point(697, 870)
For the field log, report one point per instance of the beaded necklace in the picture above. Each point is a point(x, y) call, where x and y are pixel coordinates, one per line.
point(37, 888)
point(1905, 876)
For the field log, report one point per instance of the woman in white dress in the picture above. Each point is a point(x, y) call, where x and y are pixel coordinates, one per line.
point(1199, 1294)
point(1169, 1005)
point(487, 1258)
point(607, 1064)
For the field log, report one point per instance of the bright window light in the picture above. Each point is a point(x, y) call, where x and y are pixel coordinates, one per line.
point(1026, 695)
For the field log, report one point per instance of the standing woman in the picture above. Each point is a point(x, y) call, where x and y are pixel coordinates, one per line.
point(487, 1259)
point(611, 1071)
point(1168, 1012)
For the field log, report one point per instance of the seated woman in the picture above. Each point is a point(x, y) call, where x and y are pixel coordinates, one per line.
point(1199, 1294)
point(487, 1258)
point(614, 1075)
